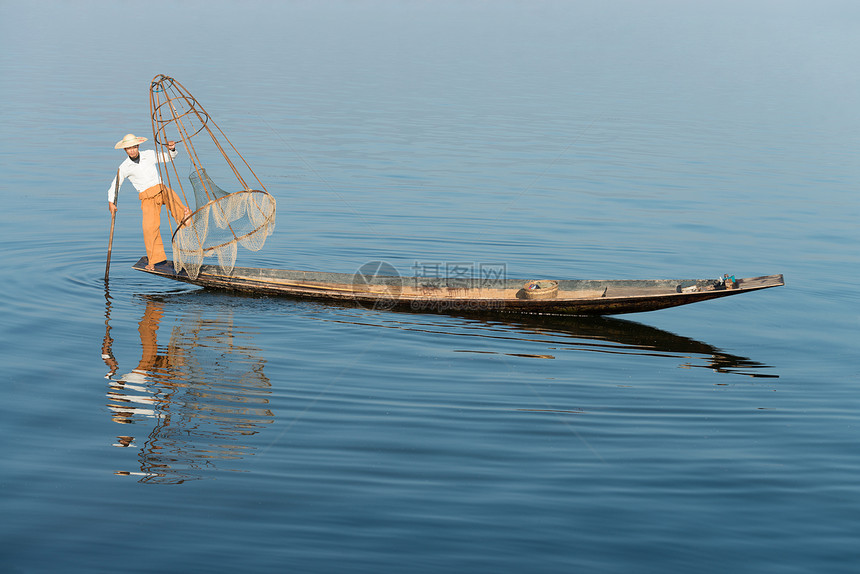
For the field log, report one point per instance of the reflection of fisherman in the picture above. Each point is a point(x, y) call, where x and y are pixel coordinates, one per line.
point(197, 418)
point(133, 387)
point(142, 170)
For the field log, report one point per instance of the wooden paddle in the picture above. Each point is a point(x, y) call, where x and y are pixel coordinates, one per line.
point(112, 221)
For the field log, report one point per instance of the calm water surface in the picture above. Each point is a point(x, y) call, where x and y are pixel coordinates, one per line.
point(153, 426)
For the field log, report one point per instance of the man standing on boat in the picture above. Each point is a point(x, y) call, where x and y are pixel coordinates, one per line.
point(141, 168)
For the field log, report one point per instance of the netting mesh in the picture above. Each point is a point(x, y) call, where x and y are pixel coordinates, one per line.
point(221, 219)
point(218, 226)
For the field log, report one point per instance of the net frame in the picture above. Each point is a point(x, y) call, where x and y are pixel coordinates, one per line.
point(177, 116)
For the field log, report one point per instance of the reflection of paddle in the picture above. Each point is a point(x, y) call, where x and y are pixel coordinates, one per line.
point(112, 221)
point(107, 352)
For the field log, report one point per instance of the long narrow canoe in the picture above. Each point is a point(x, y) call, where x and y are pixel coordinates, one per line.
point(497, 295)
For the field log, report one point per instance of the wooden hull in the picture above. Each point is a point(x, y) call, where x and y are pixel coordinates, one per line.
point(430, 295)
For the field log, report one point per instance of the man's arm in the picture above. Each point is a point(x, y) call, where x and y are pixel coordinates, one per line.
point(114, 188)
point(171, 149)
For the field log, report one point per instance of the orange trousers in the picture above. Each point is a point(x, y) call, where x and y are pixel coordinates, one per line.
point(151, 200)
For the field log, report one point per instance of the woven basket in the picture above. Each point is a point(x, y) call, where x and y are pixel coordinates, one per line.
point(540, 289)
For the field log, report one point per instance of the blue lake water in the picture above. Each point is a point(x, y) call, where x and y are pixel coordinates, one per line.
point(150, 425)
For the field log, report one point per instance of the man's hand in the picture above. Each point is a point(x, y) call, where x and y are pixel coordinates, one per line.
point(112, 207)
point(185, 221)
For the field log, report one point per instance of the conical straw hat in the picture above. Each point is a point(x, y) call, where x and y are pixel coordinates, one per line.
point(128, 141)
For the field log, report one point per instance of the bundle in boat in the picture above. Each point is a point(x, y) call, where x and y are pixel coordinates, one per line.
point(222, 219)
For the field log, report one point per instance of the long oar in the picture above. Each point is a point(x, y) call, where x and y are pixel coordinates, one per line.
point(112, 221)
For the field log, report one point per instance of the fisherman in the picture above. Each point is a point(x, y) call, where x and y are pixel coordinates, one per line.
point(142, 170)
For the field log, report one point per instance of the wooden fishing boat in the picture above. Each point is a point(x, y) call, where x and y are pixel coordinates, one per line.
point(378, 286)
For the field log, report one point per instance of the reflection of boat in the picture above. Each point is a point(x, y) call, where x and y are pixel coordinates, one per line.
point(379, 286)
point(628, 337)
point(608, 335)
point(205, 390)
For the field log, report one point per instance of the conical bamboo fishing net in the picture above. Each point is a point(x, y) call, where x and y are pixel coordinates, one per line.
point(242, 214)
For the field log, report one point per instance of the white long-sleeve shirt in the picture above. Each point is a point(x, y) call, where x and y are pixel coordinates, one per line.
point(142, 174)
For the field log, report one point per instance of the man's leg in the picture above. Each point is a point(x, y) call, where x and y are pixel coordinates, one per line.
point(151, 210)
point(175, 205)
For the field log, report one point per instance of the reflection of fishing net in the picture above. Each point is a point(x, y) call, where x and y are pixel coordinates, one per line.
point(220, 219)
